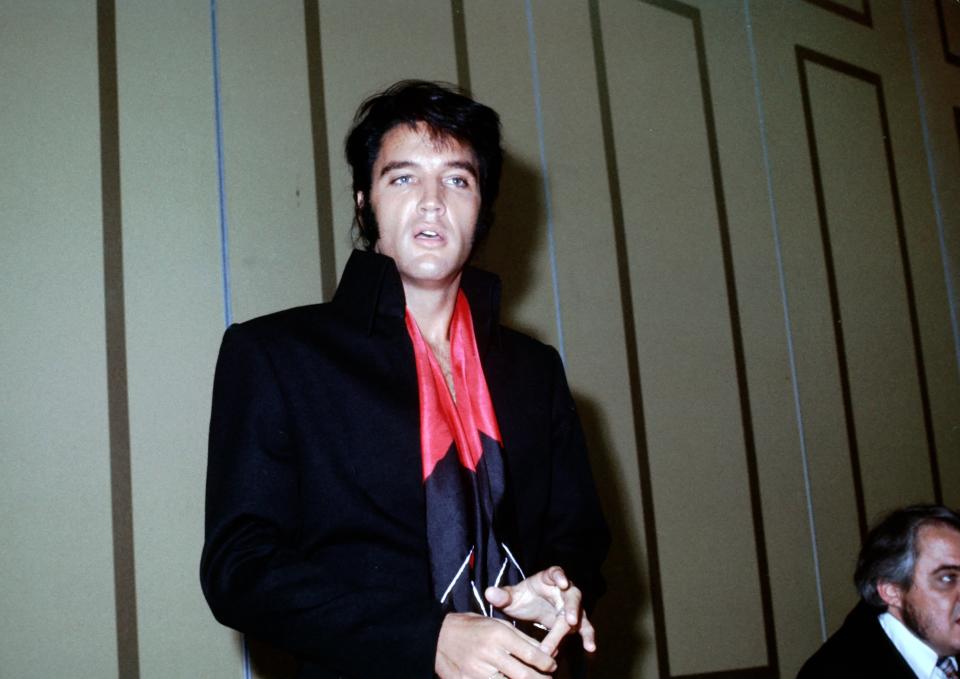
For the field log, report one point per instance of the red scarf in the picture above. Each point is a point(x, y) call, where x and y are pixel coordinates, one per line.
point(463, 470)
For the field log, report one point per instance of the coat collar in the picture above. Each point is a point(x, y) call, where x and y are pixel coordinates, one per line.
point(370, 294)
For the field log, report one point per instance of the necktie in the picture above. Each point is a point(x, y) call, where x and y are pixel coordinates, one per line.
point(948, 668)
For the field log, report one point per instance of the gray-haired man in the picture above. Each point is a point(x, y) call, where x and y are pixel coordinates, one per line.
point(907, 623)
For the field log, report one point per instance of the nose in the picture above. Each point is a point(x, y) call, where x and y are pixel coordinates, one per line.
point(431, 200)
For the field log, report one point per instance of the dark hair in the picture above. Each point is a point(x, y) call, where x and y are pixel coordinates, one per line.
point(890, 551)
point(447, 112)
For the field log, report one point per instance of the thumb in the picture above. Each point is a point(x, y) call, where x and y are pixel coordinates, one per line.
point(498, 596)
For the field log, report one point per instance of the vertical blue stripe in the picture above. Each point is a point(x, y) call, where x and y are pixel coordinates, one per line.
point(538, 107)
point(934, 188)
point(224, 243)
point(218, 123)
point(788, 326)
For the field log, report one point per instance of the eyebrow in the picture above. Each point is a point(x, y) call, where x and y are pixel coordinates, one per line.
point(454, 164)
point(947, 567)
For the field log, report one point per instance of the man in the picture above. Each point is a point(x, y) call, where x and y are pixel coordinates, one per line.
point(908, 621)
point(397, 484)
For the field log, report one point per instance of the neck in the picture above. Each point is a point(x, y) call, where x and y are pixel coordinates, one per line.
point(432, 308)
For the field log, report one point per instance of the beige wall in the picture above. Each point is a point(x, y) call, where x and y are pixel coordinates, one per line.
point(739, 220)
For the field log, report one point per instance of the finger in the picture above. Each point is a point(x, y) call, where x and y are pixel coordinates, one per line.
point(525, 649)
point(498, 596)
point(588, 634)
point(550, 643)
point(556, 577)
point(572, 599)
point(514, 669)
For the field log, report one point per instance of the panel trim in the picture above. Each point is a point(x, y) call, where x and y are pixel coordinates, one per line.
point(623, 270)
point(545, 172)
point(121, 493)
point(221, 172)
point(787, 321)
point(460, 44)
point(804, 55)
point(934, 182)
point(863, 17)
point(224, 232)
point(956, 121)
point(630, 334)
point(745, 673)
point(948, 55)
point(321, 150)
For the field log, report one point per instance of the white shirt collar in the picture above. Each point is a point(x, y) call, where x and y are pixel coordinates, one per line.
point(921, 658)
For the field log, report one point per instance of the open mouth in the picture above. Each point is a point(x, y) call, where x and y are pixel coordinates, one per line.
point(429, 234)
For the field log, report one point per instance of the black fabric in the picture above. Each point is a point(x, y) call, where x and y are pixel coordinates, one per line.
point(315, 519)
point(465, 478)
point(860, 648)
point(465, 516)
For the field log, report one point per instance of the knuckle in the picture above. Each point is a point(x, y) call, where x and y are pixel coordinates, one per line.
point(525, 673)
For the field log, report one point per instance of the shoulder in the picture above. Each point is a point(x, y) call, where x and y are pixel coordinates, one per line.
point(859, 648)
point(526, 362)
point(284, 322)
point(282, 337)
point(287, 327)
point(518, 345)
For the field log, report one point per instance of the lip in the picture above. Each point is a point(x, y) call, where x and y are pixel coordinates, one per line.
point(429, 235)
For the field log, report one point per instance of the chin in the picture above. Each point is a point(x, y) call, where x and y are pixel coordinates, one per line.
point(427, 275)
point(435, 269)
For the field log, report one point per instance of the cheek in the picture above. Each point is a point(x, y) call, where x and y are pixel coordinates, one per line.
point(389, 211)
point(468, 210)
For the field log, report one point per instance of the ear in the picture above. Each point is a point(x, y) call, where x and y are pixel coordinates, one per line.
point(358, 199)
point(892, 594)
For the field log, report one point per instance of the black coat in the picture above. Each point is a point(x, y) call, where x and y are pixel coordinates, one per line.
point(860, 648)
point(315, 519)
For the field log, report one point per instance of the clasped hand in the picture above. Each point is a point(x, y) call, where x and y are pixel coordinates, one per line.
point(476, 647)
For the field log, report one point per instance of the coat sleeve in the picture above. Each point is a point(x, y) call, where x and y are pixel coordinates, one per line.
point(577, 537)
point(254, 576)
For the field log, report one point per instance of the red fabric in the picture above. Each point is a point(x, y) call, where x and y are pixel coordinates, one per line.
point(443, 421)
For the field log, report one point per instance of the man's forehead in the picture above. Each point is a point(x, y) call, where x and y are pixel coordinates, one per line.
point(939, 542)
point(436, 139)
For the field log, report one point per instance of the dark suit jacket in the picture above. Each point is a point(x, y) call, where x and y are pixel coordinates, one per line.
point(315, 526)
point(860, 648)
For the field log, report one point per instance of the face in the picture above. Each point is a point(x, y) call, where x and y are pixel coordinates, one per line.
point(426, 198)
point(931, 607)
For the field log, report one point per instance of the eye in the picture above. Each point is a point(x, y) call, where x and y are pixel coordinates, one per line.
point(947, 579)
point(459, 182)
point(402, 180)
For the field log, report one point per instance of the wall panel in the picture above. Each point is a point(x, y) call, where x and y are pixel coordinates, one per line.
point(853, 10)
point(367, 45)
point(769, 363)
point(926, 229)
point(937, 240)
point(820, 410)
point(269, 185)
point(592, 311)
point(912, 327)
point(55, 501)
point(887, 413)
point(689, 363)
point(948, 18)
point(502, 76)
point(174, 314)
